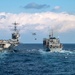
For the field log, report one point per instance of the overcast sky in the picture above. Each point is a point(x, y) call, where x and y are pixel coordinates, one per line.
point(38, 16)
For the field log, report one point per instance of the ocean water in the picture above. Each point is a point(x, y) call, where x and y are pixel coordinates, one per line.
point(30, 59)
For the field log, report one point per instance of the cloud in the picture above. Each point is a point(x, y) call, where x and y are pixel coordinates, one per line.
point(2, 17)
point(60, 22)
point(56, 8)
point(36, 6)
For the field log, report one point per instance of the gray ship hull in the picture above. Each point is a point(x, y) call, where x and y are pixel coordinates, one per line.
point(55, 49)
point(7, 49)
point(47, 49)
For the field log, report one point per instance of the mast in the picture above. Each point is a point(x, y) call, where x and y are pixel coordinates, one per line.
point(52, 33)
point(15, 26)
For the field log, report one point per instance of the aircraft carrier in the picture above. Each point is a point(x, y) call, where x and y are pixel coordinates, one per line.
point(11, 43)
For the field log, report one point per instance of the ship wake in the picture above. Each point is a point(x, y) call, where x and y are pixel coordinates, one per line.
point(62, 51)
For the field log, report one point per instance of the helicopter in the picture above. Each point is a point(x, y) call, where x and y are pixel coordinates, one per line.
point(34, 34)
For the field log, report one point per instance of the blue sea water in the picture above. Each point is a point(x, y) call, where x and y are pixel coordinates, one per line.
point(30, 59)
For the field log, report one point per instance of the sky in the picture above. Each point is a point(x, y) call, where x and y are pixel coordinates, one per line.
point(40, 17)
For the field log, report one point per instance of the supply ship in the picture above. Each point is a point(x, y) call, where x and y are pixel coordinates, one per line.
point(52, 44)
point(11, 43)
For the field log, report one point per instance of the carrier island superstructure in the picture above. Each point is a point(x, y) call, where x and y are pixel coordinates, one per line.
point(52, 43)
point(11, 43)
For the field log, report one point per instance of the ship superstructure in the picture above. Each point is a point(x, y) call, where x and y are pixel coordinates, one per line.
point(15, 35)
point(14, 41)
point(52, 43)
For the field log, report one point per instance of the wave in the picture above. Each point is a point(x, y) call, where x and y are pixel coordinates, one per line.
point(54, 55)
point(62, 51)
point(3, 54)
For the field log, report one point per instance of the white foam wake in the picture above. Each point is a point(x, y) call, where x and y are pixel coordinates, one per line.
point(62, 51)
